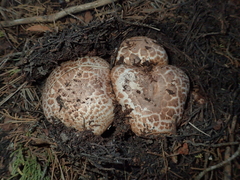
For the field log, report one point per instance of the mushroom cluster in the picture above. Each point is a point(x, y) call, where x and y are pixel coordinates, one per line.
point(81, 93)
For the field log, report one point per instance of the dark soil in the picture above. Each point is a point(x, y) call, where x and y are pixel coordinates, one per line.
point(201, 37)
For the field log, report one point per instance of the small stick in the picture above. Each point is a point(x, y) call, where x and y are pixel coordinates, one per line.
point(199, 129)
point(200, 175)
point(10, 95)
point(58, 15)
point(212, 145)
point(227, 168)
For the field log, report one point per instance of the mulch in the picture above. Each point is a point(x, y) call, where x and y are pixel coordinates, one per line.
point(201, 37)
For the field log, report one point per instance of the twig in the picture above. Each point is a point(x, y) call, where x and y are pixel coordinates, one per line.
point(99, 166)
point(200, 175)
point(139, 24)
point(79, 19)
point(227, 168)
point(54, 17)
point(180, 177)
point(10, 95)
point(205, 165)
point(199, 129)
point(212, 145)
point(232, 134)
point(16, 119)
point(4, 59)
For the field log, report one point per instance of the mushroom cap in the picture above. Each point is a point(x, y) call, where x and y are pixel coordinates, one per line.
point(141, 49)
point(156, 98)
point(79, 94)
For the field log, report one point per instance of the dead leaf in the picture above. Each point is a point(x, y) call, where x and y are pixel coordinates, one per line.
point(39, 141)
point(184, 149)
point(39, 28)
point(88, 17)
point(7, 126)
point(174, 159)
point(198, 96)
point(13, 38)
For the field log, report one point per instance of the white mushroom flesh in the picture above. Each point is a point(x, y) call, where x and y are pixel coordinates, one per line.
point(156, 98)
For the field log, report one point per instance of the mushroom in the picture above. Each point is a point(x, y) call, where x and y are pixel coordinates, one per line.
point(155, 95)
point(79, 94)
point(139, 50)
point(156, 98)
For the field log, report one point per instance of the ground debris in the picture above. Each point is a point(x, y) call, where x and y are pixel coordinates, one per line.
point(200, 37)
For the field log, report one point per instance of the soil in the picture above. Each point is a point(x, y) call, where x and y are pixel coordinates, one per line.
point(201, 37)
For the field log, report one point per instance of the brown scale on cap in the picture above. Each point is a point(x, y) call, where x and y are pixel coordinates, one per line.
point(140, 49)
point(79, 94)
point(156, 98)
point(157, 95)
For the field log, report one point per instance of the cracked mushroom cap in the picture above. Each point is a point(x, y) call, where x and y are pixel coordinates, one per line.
point(156, 98)
point(79, 94)
point(141, 49)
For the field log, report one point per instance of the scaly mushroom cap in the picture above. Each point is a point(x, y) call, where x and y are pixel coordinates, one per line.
point(140, 49)
point(156, 98)
point(79, 94)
